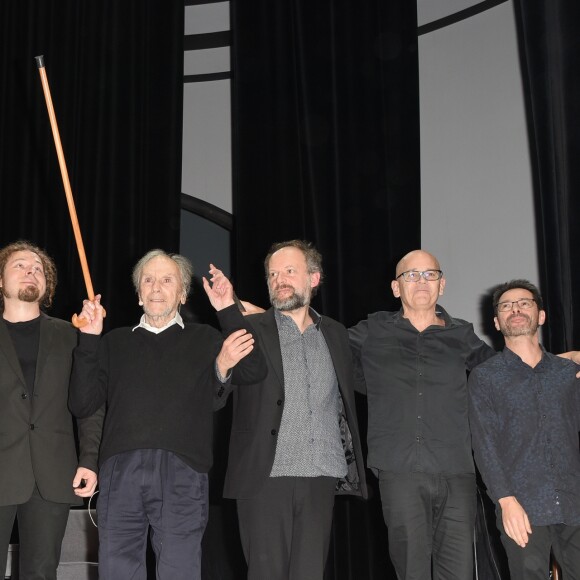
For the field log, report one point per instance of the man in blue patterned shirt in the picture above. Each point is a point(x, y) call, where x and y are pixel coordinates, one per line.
point(524, 411)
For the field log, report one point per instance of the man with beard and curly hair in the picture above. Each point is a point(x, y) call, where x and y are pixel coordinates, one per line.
point(524, 411)
point(41, 475)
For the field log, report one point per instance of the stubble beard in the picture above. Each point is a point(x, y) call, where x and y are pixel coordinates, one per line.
point(528, 330)
point(158, 316)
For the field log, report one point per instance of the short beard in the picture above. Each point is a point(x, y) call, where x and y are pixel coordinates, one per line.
point(28, 294)
point(293, 302)
point(528, 330)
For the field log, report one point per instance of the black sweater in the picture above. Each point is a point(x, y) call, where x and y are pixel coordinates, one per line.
point(160, 389)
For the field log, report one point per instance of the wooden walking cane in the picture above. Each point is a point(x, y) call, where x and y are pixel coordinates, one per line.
point(78, 322)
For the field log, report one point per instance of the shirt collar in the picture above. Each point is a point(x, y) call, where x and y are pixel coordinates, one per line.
point(282, 318)
point(175, 320)
point(511, 357)
point(440, 312)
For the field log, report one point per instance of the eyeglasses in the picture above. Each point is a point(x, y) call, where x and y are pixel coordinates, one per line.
point(415, 275)
point(523, 303)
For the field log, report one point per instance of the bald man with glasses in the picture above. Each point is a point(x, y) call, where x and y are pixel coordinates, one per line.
point(414, 365)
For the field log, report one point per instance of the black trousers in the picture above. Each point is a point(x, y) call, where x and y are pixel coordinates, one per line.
point(285, 530)
point(41, 527)
point(430, 520)
point(533, 561)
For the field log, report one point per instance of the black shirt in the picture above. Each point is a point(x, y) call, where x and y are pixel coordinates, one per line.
point(26, 338)
point(416, 385)
point(525, 424)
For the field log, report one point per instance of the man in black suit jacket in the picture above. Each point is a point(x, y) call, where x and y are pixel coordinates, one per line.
point(40, 475)
point(295, 440)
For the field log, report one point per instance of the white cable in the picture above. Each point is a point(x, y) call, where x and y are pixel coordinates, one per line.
point(89, 507)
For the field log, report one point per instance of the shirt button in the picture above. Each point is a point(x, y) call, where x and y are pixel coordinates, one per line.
point(418, 439)
point(32, 426)
point(420, 394)
point(24, 396)
point(543, 416)
point(279, 402)
point(273, 431)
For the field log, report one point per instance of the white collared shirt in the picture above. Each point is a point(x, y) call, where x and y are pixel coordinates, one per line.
point(175, 320)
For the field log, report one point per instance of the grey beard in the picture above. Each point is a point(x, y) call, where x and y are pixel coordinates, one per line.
point(508, 331)
point(293, 302)
point(160, 316)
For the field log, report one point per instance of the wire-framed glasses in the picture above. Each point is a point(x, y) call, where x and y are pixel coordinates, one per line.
point(416, 275)
point(523, 303)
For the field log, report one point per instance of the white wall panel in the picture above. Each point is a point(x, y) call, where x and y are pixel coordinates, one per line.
point(211, 60)
point(204, 18)
point(477, 202)
point(431, 10)
point(206, 172)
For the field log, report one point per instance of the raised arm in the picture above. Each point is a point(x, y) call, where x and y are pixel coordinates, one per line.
point(88, 390)
point(219, 289)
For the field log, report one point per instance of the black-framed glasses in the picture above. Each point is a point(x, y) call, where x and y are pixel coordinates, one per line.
point(416, 275)
point(523, 303)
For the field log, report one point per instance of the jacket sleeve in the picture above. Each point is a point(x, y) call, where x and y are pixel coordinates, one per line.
point(88, 385)
point(252, 368)
point(90, 431)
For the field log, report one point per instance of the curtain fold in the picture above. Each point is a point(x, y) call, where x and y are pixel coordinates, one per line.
point(326, 142)
point(549, 52)
point(115, 73)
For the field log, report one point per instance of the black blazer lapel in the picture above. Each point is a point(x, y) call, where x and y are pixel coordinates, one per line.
point(270, 343)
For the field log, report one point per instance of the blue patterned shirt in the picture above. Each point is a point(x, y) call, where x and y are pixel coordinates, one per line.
point(524, 424)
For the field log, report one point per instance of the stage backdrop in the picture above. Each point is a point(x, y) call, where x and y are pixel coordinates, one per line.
point(325, 147)
point(115, 72)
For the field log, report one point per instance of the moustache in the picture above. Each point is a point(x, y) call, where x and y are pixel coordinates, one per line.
point(520, 314)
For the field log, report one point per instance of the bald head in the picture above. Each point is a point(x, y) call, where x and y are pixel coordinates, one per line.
point(413, 257)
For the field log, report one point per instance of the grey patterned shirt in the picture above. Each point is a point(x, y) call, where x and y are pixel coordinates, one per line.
point(309, 442)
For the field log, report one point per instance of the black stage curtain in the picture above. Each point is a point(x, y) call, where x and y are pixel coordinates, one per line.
point(116, 77)
point(326, 147)
point(326, 142)
point(549, 40)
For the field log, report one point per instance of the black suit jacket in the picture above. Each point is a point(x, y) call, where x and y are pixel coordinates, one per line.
point(37, 443)
point(257, 412)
